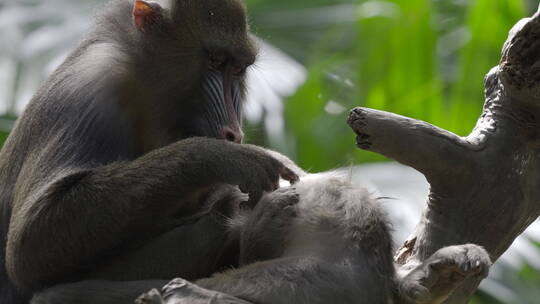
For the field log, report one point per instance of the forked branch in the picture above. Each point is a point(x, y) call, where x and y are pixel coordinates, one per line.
point(484, 188)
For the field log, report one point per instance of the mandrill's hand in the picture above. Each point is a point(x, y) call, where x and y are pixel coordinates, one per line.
point(250, 167)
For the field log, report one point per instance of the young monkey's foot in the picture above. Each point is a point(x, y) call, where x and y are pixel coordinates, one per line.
point(434, 280)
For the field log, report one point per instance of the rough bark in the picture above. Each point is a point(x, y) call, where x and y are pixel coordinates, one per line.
point(484, 187)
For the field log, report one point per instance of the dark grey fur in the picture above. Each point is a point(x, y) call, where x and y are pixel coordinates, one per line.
point(96, 179)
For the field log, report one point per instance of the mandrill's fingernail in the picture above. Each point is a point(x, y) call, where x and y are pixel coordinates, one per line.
point(289, 175)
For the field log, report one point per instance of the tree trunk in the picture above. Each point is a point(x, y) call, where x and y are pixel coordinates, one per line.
point(485, 188)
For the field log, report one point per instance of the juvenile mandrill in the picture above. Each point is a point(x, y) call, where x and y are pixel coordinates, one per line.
point(321, 240)
point(119, 149)
point(325, 241)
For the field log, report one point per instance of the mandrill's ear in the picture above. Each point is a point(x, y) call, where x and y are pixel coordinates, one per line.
point(146, 13)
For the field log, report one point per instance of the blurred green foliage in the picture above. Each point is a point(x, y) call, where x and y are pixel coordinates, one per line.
point(418, 58)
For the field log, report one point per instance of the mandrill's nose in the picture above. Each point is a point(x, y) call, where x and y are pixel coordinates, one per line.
point(234, 135)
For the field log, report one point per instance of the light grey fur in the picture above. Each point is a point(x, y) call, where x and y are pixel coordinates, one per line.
point(319, 241)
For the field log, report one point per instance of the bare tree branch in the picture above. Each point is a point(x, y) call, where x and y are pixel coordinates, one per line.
point(435, 152)
point(484, 188)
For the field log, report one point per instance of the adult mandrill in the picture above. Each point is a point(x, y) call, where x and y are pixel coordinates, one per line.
point(103, 170)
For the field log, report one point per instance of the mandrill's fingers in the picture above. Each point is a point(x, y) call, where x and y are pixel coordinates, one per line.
point(288, 175)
